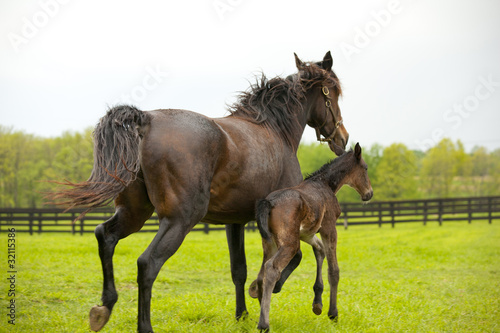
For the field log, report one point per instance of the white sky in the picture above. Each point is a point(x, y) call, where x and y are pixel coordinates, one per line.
point(418, 75)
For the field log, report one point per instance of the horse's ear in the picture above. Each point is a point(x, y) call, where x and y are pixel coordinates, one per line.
point(327, 61)
point(298, 62)
point(357, 151)
point(337, 149)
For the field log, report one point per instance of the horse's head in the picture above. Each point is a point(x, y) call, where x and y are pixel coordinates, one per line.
point(322, 89)
point(358, 175)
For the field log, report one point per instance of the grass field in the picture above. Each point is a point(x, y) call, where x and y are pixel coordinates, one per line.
point(407, 279)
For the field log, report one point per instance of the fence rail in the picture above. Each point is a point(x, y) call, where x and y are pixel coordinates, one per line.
point(33, 220)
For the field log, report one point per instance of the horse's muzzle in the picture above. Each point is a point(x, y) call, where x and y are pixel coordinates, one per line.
point(367, 196)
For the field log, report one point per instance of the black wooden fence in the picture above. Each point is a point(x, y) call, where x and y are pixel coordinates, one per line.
point(33, 220)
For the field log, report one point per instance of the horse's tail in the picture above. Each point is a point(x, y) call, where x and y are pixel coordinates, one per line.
point(263, 210)
point(116, 159)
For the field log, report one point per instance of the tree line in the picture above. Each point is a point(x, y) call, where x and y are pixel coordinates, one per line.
point(399, 173)
point(28, 163)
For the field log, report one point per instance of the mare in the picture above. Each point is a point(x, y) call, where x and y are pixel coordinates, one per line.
point(191, 168)
point(287, 216)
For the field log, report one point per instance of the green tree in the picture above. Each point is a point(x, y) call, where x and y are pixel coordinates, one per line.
point(395, 174)
point(481, 171)
point(312, 156)
point(27, 162)
point(439, 168)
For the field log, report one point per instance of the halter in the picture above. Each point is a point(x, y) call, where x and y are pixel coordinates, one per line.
point(329, 106)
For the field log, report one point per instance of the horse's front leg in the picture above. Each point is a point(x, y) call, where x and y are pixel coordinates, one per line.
point(319, 254)
point(329, 237)
point(236, 241)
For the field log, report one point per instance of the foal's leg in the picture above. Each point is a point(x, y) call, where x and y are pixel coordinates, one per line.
point(133, 208)
point(269, 250)
point(319, 254)
point(254, 287)
point(294, 263)
point(272, 273)
point(329, 237)
point(236, 241)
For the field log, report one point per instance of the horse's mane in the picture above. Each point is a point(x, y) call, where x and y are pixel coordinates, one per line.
point(275, 103)
point(330, 165)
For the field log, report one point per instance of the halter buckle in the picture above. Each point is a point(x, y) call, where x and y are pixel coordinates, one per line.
point(325, 90)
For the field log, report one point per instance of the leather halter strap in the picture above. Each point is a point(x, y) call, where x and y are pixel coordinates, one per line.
point(328, 104)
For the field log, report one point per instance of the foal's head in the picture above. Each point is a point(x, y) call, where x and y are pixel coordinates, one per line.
point(357, 176)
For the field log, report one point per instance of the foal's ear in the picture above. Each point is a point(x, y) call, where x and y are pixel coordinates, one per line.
point(337, 149)
point(298, 62)
point(327, 61)
point(357, 151)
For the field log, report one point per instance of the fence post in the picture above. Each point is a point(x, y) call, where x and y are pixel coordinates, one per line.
point(489, 210)
point(469, 209)
point(425, 212)
point(345, 221)
point(39, 222)
point(72, 223)
point(81, 226)
point(392, 214)
point(380, 215)
point(440, 210)
point(206, 228)
point(31, 223)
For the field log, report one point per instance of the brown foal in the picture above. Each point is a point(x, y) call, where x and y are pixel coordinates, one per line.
point(290, 215)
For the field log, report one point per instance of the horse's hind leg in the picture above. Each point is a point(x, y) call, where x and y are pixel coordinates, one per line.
point(292, 265)
point(272, 271)
point(132, 210)
point(329, 238)
point(167, 241)
point(269, 249)
point(253, 290)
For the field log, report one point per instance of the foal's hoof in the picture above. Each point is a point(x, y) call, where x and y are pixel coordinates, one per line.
point(317, 308)
point(99, 316)
point(253, 290)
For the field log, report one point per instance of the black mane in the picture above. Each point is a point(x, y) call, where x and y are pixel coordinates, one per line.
point(332, 165)
point(275, 103)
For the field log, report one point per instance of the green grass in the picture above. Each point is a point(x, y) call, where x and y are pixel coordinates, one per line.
point(407, 279)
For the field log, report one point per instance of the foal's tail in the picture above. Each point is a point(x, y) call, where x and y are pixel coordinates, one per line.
point(263, 210)
point(116, 159)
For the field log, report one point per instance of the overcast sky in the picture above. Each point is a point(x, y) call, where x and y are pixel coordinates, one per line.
point(413, 71)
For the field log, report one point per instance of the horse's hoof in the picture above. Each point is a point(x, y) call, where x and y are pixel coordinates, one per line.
point(317, 308)
point(242, 316)
point(98, 317)
point(263, 329)
point(334, 317)
point(253, 290)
